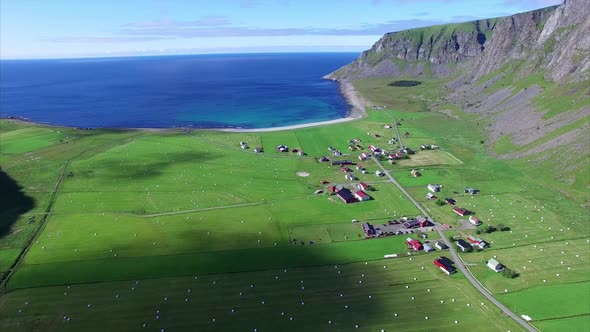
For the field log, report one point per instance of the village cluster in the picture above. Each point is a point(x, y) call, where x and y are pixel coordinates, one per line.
point(359, 192)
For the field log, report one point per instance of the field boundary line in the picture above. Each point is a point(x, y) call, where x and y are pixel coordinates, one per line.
point(196, 210)
point(37, 232)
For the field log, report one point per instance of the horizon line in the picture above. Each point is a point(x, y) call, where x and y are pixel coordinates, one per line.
point(74, 57)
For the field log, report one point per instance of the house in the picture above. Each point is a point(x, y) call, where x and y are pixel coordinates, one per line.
point(364, 156)
point(461, 211)
point(387, 126)
point(474, 221)
point(477, 242)
point(428, 248)
point(495, 265)
point(300, 153)
point(374, 149)
point(363, 186)
point(471, 191)
point(423, 222)
point(359, 167)
point(440, 245)
point(450, 201)
point(412, 223)
point(350, 177)
point(430, 196)
point(379, 173)
point(415, 173)
point(244, 145)
point(408, 151)
point(323, 160)
point(392, 141)
point(346, 195)
point(258, 150)
point(282, 148)
point(362, 196)
point(339, 163)
point(414, 244)
point(345, 169)
point(336, 153)
point(464, 246)
point(434, 187)
point(445, 264)
point(368, 229)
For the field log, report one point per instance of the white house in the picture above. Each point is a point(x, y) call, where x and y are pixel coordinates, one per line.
point(495, 265)
point(474, 221)
point(434, 187)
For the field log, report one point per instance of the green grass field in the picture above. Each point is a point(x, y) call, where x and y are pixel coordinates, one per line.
point(179, 224)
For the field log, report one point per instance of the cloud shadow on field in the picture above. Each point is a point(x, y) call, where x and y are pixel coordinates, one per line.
point(13, 203)
point(140, 169)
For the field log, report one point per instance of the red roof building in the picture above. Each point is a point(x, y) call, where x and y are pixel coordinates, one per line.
point(414, 244)
point(445, 265)
point(361, 196)
point(461, 211)
point(363, 186)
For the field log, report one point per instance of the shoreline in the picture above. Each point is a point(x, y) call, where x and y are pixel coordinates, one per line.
point(357, 111)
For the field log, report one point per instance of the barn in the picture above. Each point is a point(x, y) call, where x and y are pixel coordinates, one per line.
point(346, 195)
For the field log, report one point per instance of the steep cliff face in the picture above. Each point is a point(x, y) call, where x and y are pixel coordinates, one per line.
point(555, 38)
point(436, 47)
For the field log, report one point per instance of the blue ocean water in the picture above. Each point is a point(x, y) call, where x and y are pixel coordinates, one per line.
point(202, 91)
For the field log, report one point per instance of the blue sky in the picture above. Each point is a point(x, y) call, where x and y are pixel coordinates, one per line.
point(80, 28)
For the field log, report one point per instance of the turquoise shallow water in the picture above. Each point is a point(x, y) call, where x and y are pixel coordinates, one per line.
point(201, 91)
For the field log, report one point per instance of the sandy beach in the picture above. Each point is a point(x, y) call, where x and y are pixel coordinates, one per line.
point(357, 111)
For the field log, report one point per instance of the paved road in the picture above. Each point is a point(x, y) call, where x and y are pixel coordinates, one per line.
point(452, 251)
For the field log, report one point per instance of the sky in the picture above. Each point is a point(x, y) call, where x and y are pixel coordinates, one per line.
point(101, 28)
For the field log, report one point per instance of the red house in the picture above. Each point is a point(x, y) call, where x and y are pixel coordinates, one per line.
point(445, 265)
point(414, 244)
point(361, 196)
point(461, 211)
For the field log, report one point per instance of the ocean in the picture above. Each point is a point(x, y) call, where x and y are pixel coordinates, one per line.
point(200, 91)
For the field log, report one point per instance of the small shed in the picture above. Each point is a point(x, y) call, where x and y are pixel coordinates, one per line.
point(471, 191)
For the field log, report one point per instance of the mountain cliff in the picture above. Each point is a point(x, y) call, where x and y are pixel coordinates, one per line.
point(556, 38)
point(525, 76)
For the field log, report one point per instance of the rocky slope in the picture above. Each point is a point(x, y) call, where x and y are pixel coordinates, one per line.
point(526, 76)
point(555, 38)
